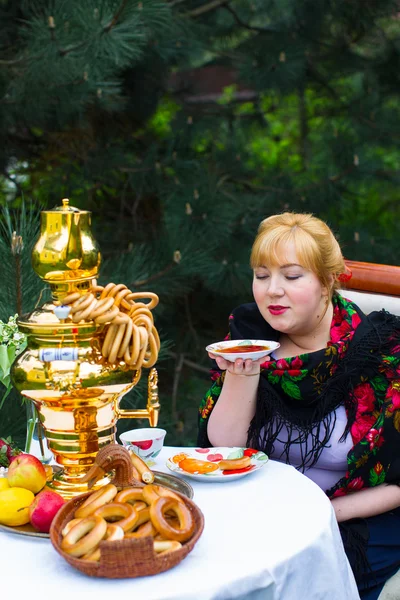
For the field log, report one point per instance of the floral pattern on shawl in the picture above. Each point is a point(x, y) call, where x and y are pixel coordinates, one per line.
point(375, 424)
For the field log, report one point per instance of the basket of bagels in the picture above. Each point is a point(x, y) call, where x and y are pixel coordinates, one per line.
point(129, 527)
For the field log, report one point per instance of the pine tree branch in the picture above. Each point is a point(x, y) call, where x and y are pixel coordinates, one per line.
point(15, 61)
point(264, 188)
point(201, 10)
point(161, 273)
point(246, 25)
point(190, 322)
point(215, 97)
point(115, 18)
point(132, 170)
point(320, 79)
point(18, 284)
point(106, 29)
point(64, 51)
point(305, 188)
point(175, 387)
point(191, 364)
point(255, 28)
point(304, 131)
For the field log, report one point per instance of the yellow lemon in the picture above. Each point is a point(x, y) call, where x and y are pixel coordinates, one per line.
point(4, 485)
point(14, 506)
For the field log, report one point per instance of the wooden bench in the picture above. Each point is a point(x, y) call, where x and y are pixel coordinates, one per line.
point(373, 287)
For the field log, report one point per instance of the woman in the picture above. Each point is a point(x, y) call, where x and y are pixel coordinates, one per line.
point(327, 400)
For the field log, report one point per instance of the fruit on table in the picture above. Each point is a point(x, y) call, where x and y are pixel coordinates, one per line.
point(14, 506)
point(26, 471)
point(178, 457)
point(4, 485)
point(44, 508)
point(8, 450)
point(193, 465)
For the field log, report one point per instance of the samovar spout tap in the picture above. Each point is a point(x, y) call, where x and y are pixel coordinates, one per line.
point(152, 410)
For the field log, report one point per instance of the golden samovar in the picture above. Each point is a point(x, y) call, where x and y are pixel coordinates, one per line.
point(86, 348)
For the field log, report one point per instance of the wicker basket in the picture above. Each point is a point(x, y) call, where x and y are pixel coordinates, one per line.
point(124, 558)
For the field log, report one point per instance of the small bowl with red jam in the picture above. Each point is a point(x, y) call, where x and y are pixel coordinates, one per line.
point(245, 349)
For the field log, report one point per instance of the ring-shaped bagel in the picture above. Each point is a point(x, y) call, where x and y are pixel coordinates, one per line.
point(114, 532)
point(71, 298)
point(129, 495)
point(95, 500)
point(84, 536)
point(69, 526)
point(127, 338)
point(152, 492)
point(83, 314)
point(107, 291)
point(160, 507)
point(165, 546)
point(139, 505)
point(122, 514)
point(145, 530)
point(102, 306)
point(108, 316)
point(93, 555)
point(115, 346)
point(129, 332)
point(108, 340)
point(139, 295)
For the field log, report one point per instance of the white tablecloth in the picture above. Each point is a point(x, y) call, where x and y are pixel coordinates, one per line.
point(271, 535)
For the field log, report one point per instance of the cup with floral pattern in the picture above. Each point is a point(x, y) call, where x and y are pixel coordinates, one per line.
point(146, 442)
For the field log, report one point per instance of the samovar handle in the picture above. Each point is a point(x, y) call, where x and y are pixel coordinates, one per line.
point(152, 410)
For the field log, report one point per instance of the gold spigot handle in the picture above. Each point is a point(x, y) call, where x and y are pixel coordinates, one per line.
point(152, 410)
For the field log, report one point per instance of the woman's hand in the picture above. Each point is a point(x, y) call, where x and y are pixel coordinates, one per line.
point(367, 502)
point(230, 420)
point(241, 367)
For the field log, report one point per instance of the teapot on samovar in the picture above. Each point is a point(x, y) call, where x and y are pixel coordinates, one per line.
point(85, 349)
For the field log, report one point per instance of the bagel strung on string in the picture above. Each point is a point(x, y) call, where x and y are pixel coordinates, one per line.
point(130, 334)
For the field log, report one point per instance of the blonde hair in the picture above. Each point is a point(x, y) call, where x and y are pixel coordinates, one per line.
point(316, 247)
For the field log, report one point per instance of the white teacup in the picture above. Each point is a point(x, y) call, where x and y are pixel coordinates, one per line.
point(146, 442)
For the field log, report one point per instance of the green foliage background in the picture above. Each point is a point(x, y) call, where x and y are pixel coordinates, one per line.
point(182, 125)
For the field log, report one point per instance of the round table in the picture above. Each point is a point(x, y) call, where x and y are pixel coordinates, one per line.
point(271, 535)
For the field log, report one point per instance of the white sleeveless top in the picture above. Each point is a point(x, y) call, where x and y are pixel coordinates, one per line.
point(332, 462)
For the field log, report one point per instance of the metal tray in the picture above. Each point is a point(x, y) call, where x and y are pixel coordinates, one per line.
point(170, 481)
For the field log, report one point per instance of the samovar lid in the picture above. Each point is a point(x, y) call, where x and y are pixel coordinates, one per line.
point(67, 208)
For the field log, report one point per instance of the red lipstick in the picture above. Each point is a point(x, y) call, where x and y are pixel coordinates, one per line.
point(276, 309)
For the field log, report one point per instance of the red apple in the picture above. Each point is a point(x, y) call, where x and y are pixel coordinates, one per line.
point(26, 471)
point(44, 508)
point(8, 451)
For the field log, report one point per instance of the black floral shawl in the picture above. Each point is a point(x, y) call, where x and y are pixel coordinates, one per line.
point(360, 369)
